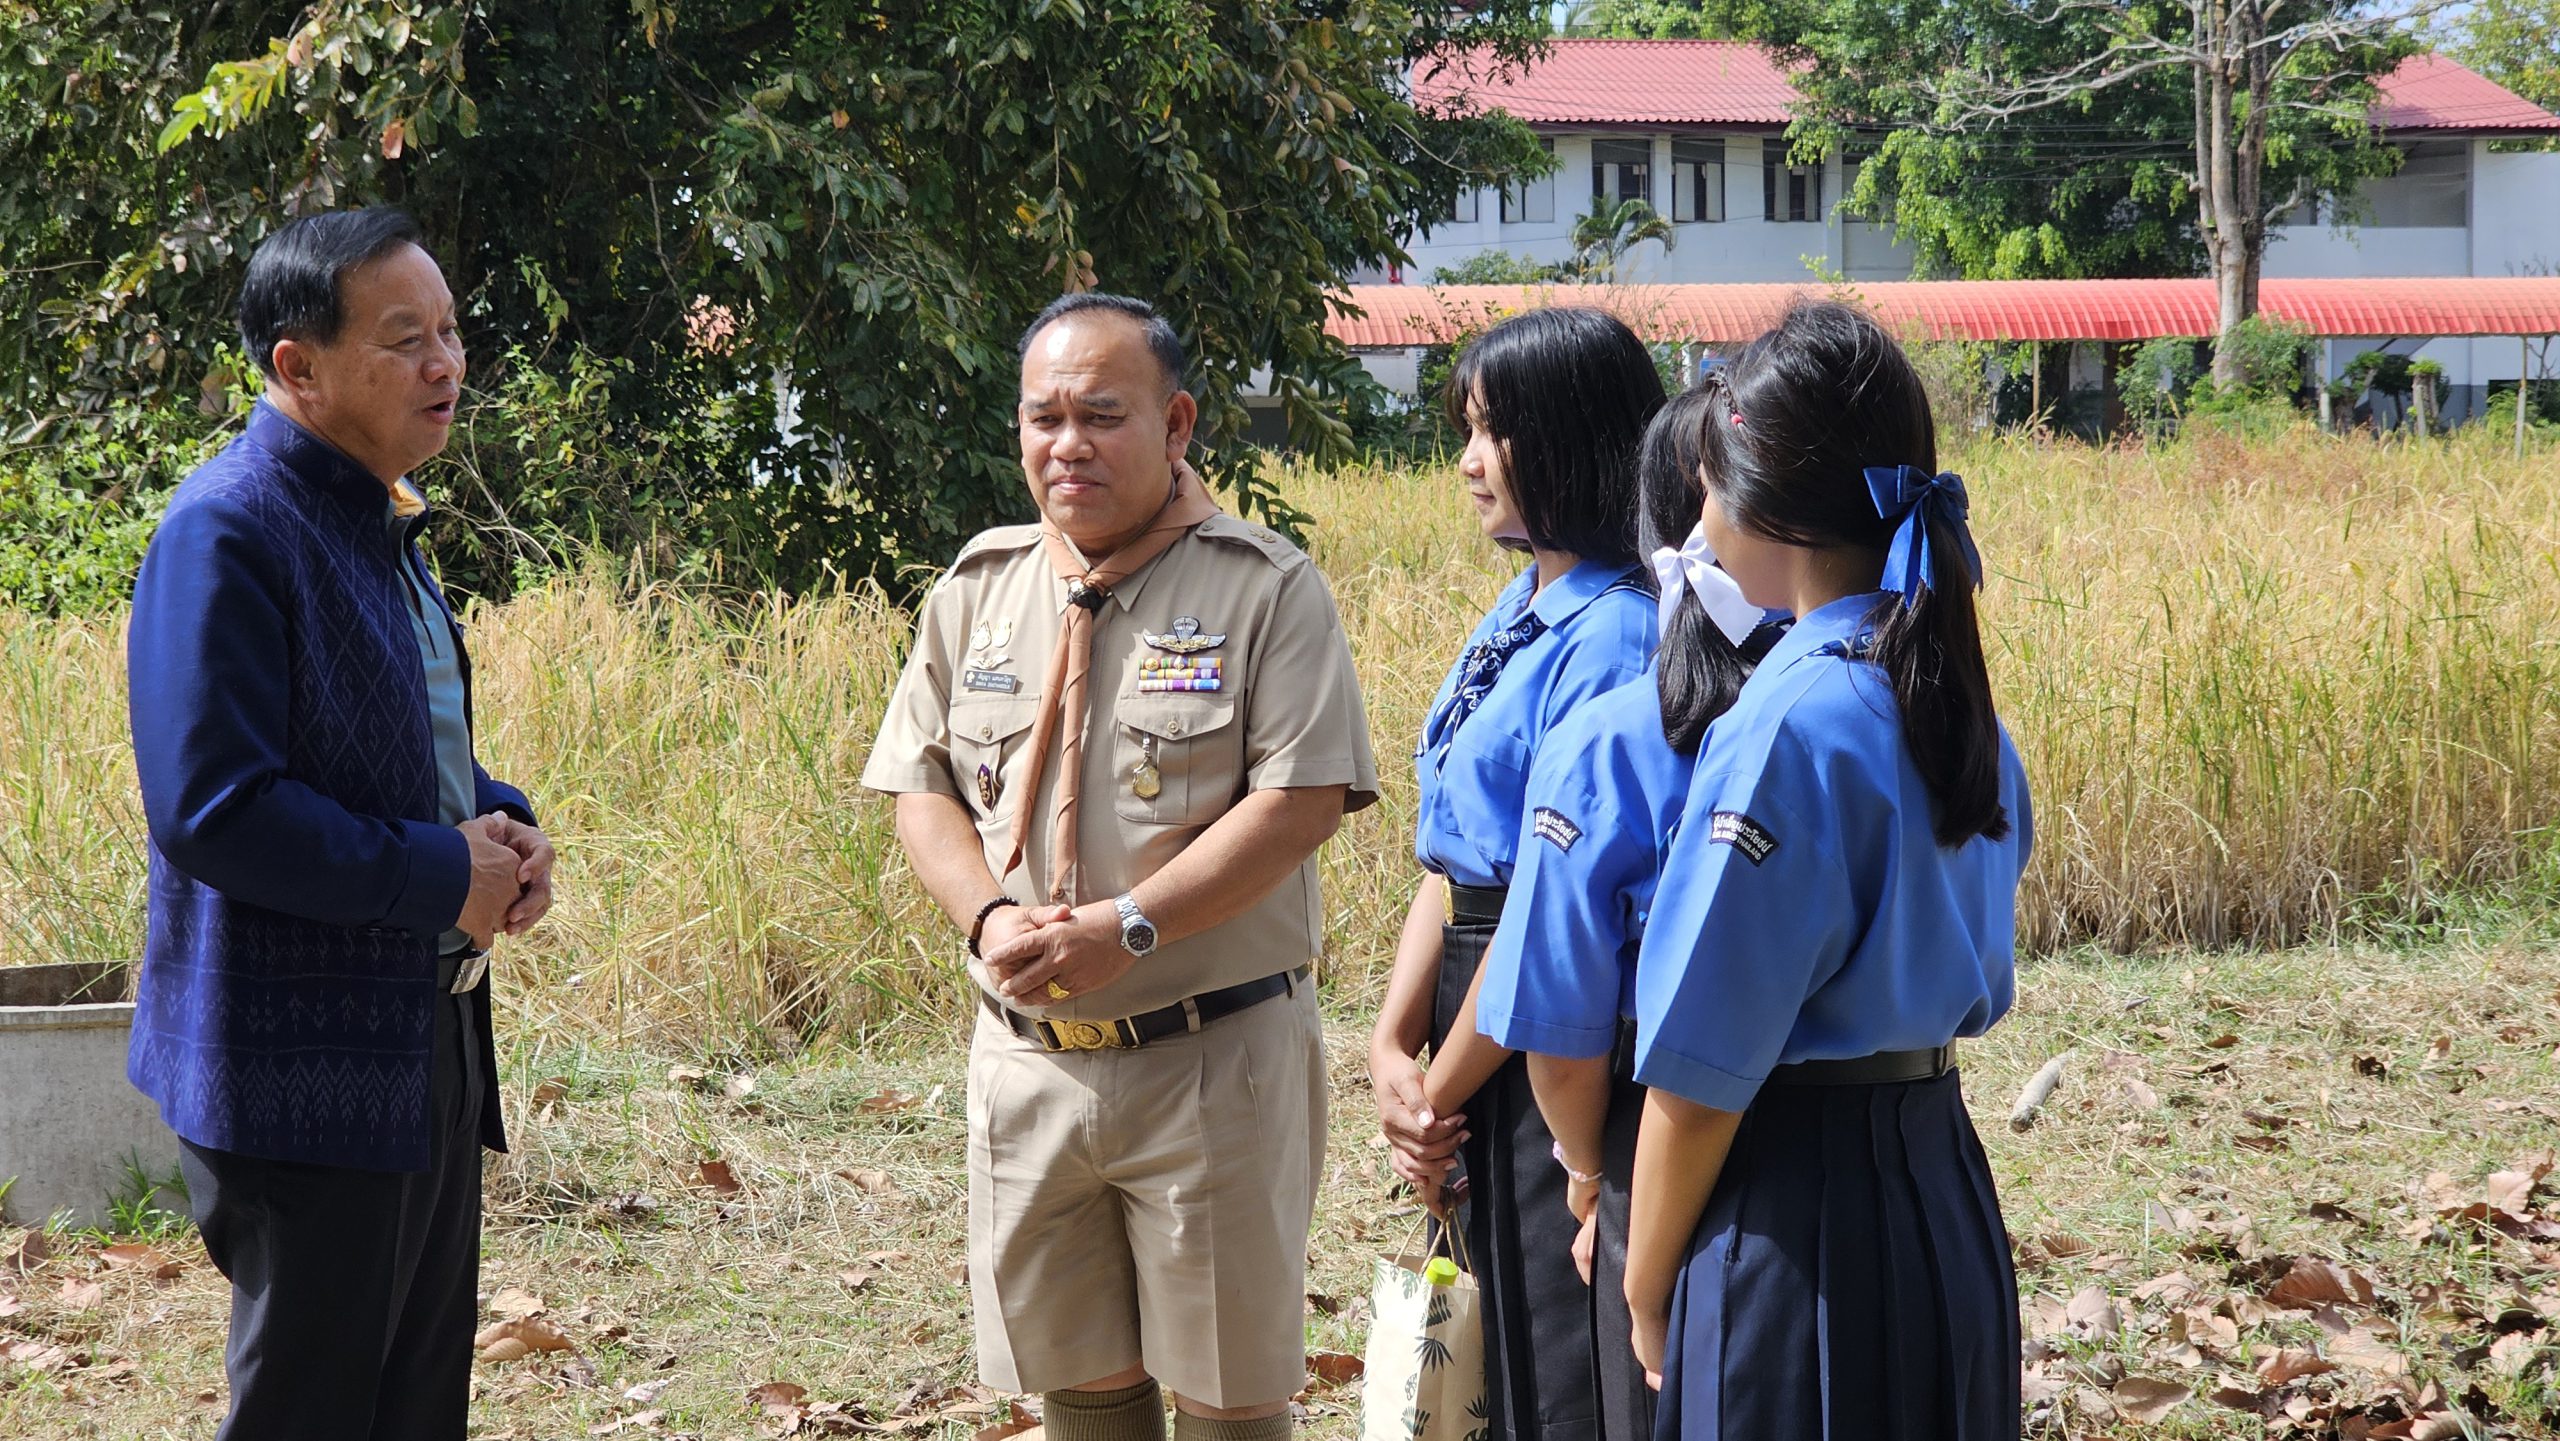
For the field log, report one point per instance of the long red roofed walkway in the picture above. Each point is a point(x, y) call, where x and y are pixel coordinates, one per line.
point(1397, 316)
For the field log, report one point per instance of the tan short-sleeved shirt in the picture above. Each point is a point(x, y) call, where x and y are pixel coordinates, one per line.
point(1286, 713)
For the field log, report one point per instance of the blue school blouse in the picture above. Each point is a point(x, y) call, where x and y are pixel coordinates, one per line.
point(1603, 801)
point(1600, 621)
point(1806, 911)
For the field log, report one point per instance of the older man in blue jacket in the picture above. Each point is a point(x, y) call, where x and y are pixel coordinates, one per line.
point(329, 864)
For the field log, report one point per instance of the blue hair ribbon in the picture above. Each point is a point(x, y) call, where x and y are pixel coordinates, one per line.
point(1916, 498)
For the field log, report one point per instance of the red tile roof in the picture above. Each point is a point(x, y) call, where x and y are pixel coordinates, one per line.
point(2429, 92)
point(1619, 82)
point(1737, 84)
point(1401, 315)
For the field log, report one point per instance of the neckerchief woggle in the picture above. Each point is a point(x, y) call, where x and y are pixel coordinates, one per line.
point(1692, 568)
point(1915, 497)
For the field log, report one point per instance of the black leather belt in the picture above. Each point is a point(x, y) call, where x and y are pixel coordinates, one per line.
point(1884, 1068)
point(1475, 905)
point(1131, 1032)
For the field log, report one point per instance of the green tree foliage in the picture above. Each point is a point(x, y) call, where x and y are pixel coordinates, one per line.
point(1500, 267)
point(2514, 42)
point(781, 248)
point(2099, 184)
point(1641, 20)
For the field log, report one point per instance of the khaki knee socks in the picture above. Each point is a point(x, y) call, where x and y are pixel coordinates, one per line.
point(1133, 1413)
point(1187, 1427)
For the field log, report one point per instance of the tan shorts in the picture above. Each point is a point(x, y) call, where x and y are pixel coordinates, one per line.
point(1148, 1206)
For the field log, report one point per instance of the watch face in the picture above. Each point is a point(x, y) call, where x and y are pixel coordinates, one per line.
point(1140, 938)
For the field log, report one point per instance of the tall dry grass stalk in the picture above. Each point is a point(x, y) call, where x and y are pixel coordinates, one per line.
point(2263, 689)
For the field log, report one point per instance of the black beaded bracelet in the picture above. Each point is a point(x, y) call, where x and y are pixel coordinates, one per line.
point(978, 927)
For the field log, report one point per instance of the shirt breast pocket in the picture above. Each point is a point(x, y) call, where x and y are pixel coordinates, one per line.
point(988, 735)
point(1186, 748)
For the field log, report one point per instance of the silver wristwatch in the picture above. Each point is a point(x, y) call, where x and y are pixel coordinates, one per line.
point(1137, 933)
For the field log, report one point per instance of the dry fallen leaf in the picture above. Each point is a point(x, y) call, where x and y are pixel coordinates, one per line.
point(855, 1278)
point(10, 1306)
point(2313, 1281)
point(132, 1256)
point(2140, 1398)
point(514, 1303)
point(716, 1177)
point(79, 1295)
point(642, 1420)
point(550, 1091)
point(519, 1338)
point(875, 1182)
point(1335, 1368)
point(2091, 1314)
point(2368, 1347)
point(647, 1391)
point(2222, 1042)
point(775, 1396)
point(2277, 1365)
point(890, 1103)
point(2139, 1095)
point(2512, 1193)
point(687, 1075)
point(32, 1250)
point(2510, 1354)
point(738, 1087)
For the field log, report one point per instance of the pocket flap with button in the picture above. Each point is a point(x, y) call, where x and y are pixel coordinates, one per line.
point(993, 719)
point(1175, 717)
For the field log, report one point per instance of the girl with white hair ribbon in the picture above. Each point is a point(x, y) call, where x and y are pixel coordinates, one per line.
point(1603, 798)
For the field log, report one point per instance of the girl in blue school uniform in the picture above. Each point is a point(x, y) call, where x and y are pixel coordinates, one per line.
point(1603, 801)
point(1815, 1248)
point(1553, 403)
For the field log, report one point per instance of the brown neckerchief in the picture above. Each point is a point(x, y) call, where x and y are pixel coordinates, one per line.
point(1071, 665)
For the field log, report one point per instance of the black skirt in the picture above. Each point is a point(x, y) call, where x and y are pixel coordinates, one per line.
point(1850, 1279)
point(1626, 1403)
point(1519, 1233)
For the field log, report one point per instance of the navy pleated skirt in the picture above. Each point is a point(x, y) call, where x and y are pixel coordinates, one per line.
point(1850, 1279)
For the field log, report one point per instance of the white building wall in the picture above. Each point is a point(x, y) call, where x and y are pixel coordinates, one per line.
point(1745, 246)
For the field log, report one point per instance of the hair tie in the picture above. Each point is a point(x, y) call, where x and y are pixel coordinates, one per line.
point(1692, 568)
point(1916, 498)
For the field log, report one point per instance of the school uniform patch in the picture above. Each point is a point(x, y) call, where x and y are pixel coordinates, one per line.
point(1752, 839)
point(990, 680)
point(1554, 829)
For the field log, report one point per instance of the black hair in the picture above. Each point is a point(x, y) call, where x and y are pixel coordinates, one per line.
point(297, 275)
point(1697, 670)
point(1567, 391)
point(1161, 340)
point(1806, 409)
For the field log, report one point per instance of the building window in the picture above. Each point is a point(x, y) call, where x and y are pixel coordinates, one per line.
point(1532, 202)
point(1697, 180)
point(1621, 170)
point(1462, 211)
point(1788, 192)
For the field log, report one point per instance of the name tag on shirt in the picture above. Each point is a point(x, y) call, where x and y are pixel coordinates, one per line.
point(1733, 828)
point(1555, 830)
point(992, 680)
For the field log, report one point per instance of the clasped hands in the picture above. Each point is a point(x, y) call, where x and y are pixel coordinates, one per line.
point(1077, 947)
point(510, 878)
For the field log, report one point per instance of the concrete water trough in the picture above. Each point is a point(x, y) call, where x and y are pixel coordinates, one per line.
point(72, 1129)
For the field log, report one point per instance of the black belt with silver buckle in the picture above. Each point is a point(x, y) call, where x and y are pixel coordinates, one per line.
point(1131, 1032)
point(1475, 905)
point(1884, 1068)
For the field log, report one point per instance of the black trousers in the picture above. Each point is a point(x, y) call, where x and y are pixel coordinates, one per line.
point(1626, 1403)
point(354, 1294)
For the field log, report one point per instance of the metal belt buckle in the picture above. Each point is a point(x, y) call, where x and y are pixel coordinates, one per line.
point(468, 974)
point(1082, 1036)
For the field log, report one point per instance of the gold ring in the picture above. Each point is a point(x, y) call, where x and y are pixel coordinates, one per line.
point(1060, 993)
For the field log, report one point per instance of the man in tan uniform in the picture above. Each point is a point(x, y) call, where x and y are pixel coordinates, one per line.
point(1119, 741)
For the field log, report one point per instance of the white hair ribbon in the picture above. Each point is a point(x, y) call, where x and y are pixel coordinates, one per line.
point(1693, 568)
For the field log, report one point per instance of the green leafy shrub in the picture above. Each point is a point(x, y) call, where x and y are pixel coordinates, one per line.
point(2269, 354)
point(80, 496)
point(2156, 380)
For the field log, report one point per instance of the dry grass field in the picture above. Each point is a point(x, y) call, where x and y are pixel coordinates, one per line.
point(2291, 710)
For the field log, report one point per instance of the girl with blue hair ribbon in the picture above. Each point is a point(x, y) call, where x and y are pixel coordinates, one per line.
point(1815, 1248)
point(1603, 800)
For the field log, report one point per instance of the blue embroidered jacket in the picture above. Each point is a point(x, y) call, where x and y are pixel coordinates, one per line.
point(298, 878)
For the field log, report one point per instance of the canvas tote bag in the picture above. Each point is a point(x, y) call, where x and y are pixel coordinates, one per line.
point(1424, 1368)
